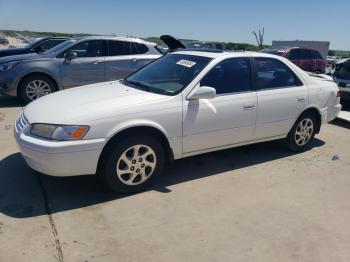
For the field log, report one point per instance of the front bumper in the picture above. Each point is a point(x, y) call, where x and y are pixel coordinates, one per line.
point(59, 158)
point(8, 83)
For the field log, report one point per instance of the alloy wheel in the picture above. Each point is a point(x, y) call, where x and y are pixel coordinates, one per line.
point(304, 131)
point(136, 164)
point(37, 88)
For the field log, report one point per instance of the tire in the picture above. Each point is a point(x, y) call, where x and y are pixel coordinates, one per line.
point(34, 87)
point(302, 133)
point(125, 173)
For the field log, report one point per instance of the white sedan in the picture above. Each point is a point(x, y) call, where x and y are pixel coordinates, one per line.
point(183, 104)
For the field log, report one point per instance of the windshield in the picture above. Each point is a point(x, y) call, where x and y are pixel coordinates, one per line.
point(60, 46)
point(35, 42)
point(168, 75)
point(342, 70)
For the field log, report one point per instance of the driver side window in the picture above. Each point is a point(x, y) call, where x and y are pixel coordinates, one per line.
point(50, 44)
point(92, 48)
point(230, 76)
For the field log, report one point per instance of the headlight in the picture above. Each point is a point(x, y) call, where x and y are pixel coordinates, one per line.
point(7, 66)
point(59, 132)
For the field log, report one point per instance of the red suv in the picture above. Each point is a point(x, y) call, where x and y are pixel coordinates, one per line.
point(307, 59)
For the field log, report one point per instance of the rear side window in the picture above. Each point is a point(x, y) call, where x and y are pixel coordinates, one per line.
point(272, 73)
point(138, 48)
point(229, 76)
point(117, 48)
point(305, 54)
point(91, 48)
point(219, 46)
point(294, 54)
point(315, 54)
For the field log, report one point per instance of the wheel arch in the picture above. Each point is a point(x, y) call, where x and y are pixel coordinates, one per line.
point(130, 130)
point(316, 111)
point(48, 75)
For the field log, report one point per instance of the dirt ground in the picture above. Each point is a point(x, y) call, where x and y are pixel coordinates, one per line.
point(253, 203)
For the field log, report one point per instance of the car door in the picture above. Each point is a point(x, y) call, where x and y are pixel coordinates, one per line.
point(307, 62)
point(87, 68)
point(281, 97)
point(119, 62)
point(227, 119)
point(319, 62)
point(141, 55)
point(294, 56)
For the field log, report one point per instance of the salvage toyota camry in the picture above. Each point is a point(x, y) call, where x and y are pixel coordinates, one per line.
point(183, 104)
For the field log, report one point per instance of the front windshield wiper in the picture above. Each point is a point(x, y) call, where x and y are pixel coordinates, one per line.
point(137, 84)
point(142, 86)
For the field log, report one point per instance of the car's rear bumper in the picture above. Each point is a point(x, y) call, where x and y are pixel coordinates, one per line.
point(60, 158)
point(330, 113)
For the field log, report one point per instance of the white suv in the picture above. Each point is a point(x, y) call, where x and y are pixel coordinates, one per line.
point(183, 104)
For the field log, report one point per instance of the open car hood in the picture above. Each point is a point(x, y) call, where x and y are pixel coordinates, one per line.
point(172, 42)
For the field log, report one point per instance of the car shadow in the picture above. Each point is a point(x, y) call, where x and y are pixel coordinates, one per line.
point(26, 193)
point(340, 123)
point(9, 101)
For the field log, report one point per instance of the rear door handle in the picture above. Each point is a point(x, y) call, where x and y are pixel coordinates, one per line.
point(248, 107)
point(97, 62)
point(301, 99)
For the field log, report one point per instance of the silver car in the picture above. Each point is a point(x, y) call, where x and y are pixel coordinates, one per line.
point(75, 62)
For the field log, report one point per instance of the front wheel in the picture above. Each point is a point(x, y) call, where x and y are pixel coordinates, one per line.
point(132, 164)
point(302, 133)
point(34, 87)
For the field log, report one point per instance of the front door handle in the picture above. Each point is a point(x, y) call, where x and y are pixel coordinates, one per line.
point(248, 107)
point(97, 62)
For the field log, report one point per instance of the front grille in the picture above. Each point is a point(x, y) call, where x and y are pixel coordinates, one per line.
point(21, 122)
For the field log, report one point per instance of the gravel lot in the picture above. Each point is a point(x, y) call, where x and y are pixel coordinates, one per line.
point(254, 203)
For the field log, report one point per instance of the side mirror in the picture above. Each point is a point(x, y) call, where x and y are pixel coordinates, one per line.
point(70, 55)
point(202, 92)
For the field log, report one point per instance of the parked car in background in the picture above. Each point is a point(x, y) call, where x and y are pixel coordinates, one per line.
point(307, 59)
point(183, 104)
point(175, 44)
point(38, 46)
point(206, 45)
point(75, 62)
point(4, 41)
point(342, 77)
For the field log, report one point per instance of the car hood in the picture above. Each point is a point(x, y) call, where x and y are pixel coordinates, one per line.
point(85, 104)
point(12, 51)
point(23, 57)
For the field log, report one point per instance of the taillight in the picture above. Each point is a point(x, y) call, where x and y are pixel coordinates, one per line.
point(338, 93)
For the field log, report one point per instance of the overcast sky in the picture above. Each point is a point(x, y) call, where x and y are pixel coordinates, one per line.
point(221, 20)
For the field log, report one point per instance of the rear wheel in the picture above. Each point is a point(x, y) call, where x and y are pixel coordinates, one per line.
point(34, 87)
point(302, 133)
point(132, 164)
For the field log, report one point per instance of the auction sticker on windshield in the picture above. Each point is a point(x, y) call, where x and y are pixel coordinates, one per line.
point(186, 63)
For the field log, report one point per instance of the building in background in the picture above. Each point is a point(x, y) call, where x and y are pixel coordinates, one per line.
point(321, 46)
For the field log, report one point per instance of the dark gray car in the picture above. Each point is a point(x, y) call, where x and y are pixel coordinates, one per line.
point(75, 62)
point(38, 46)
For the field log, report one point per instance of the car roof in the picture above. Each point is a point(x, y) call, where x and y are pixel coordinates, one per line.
point(53, 37)
point(119, 38)
point(227, 54)
point(285, 49)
